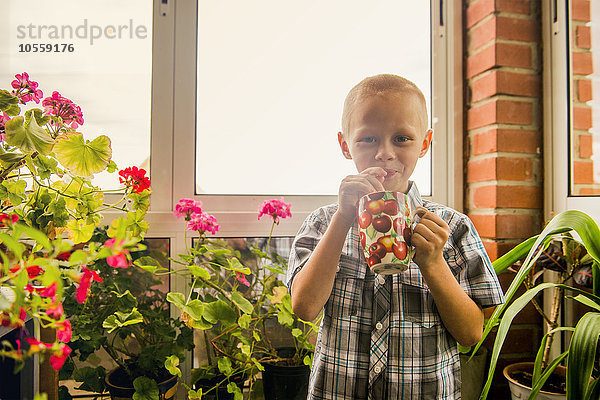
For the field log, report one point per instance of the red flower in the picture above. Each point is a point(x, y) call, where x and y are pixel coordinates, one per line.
point(64, 256)
point(134, 178)
point(50, 291)
point(69, 112)
point(84, 285)
point(8, 219)
point(60, 356)
point(276, 209)
point(55, 312)
point(33, 271)
point(241, 278)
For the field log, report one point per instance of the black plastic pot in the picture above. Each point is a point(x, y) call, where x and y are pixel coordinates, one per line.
point(119, 387)
point(281, 382)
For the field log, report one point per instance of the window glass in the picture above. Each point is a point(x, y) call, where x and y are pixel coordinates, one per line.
point(585, 102)
point(271, 81)
point(97, 54)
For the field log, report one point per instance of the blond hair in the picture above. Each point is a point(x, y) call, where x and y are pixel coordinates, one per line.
point(380, 85)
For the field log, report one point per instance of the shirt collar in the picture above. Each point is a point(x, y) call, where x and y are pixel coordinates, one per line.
point(414, 196)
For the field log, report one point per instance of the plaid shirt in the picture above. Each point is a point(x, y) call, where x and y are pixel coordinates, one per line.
point(400, 350)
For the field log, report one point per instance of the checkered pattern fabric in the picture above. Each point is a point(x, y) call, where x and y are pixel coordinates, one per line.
point(382, 337)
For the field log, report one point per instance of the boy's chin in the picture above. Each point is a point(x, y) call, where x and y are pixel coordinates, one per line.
point(395, 186)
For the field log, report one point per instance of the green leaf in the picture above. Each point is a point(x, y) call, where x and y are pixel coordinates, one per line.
point(14, 190)
point(40, 396)
point(171, 364)
point(296, 332)
point(145, 389)
point(126, 302)
point(588, 302)
point(219, 311)
point(83, 158)
point(28, 136)
point(285, 318)
point(242, 303)
point(8, 102)
point(537, 385)
point(233, 388)
point(13, 245)
point(236, 265)
point(9, 158)
point(39, 116)
point(38, 236)
point(199, 271)
point(582, 354)
point(80, 231)
point(119, 320)
point(148, 264)
point(195, 309)
point(224, 364)
point(178, 299)
point(243, 321)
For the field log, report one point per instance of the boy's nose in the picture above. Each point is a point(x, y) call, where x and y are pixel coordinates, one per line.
point(385, 152)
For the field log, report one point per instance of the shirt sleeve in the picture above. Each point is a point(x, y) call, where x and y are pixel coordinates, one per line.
point(310, 233)
point(472, 266)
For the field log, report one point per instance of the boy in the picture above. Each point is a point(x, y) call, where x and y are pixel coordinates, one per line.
point(389, 337)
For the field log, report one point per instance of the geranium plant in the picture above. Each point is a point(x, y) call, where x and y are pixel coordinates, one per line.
point(231, 297)
point(49, 207)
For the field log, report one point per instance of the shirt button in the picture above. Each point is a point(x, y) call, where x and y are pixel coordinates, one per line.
point(381, 280)
point(337, 268)
point(377, 369)
point(378, 325)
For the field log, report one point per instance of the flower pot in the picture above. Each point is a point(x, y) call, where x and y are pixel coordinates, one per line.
point(221, 392)
point(120, 387)
point(282, 382)
point(520, 390)
point(473, 374)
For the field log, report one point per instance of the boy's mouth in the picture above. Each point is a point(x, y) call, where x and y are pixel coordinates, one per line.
point(390, 173)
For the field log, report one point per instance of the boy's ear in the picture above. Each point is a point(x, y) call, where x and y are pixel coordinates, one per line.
point(344, 146)
point(426, 142)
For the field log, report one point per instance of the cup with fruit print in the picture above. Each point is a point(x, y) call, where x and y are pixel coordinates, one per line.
point(384, 221)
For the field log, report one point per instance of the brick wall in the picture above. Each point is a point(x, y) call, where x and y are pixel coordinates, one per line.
point(503, 193)
point(583, 169)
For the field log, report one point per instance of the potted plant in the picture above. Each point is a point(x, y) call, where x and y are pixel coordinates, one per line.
point(48, 206)
point(234, 295)
point(554, 249)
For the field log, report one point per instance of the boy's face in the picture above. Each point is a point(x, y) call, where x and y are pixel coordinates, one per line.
point(387, 131)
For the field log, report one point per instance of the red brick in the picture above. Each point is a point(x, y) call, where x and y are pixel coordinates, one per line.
point(478, 10)
point(524, 30)
point(507, 140)
point(482, 34)
point(583, 172)
point(513, 55)
point(580, 10)
point(496, 249)
point(514, 196)
point(515, 112)
point(505, 82)
point(514, 226)
point(514, 6)
point(582, 118)
point(585, 146)
point(510, 226)
point(485, 224)
point(584, 90)
point(590, 191)
point(481, 61)
point(500, 112)
point(514, 169)
point(481, 170)
point(583, 37)
point(582, 63)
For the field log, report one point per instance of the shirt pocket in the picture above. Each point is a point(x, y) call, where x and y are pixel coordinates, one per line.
point(415, 301)
point(347, 291)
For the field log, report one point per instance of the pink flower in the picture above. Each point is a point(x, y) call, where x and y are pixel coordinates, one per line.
point(241, 278)
point(35, 346)
point(25, 89)
point(203, 222)
point(58, 106)
point(119, 258)
point(134, 178)
point(60, 356)
point(4, 118)
point(84, 284)
point(187, 207)
point(63, 331)
point(55, 312)
point(276, 209)
point(50, 291)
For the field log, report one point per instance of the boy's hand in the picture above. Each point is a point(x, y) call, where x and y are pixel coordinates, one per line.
point(428, 239)
point(353, 187)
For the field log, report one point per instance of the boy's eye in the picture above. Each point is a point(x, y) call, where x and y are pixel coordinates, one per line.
point(401, 139)
point(367, 140)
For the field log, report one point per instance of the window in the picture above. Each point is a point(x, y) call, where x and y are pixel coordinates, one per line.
point(99, 59)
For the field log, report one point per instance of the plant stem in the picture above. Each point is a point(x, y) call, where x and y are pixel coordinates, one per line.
point(552, 324)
